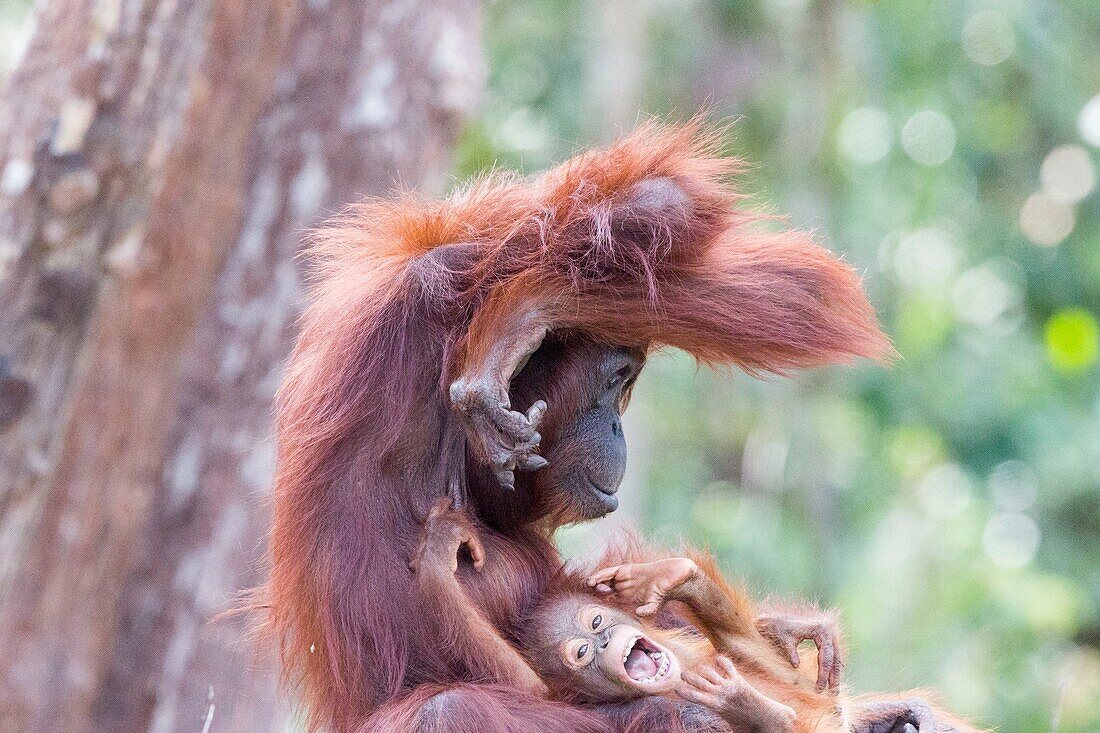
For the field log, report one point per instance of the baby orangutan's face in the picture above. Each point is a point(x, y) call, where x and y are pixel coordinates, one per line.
point(603, 653)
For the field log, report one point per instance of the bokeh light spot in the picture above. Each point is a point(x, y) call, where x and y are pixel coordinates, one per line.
point(987, 297)
point(928, 137)
point(988, 38)
point(1011, 539)
point(1073, 339)
point(1068, 174)
point(1088, 122)
point(1045, 221)
point(945, 491)
point(865, 135)
point(925, 259)
point(1013, 485)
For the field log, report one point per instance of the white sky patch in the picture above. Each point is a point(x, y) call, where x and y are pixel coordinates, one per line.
point(16, 177)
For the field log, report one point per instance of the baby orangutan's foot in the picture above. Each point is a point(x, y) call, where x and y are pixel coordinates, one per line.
point(646, 584)
point(722, 689)
point(787, 632)
point(910, 715)
point(445, 532)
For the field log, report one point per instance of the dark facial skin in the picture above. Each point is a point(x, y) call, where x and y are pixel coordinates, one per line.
point(584, 645)
point(586, 386)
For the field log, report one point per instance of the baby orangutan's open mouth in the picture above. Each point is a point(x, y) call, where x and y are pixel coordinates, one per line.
point(645, 662)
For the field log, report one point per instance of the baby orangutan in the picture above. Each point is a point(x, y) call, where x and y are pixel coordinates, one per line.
point(690, 635)
point(588, 647)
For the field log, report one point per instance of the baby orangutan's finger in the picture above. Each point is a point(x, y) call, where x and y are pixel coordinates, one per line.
point(726, 665)
point(711, 675)
point(606, 575)
point(696, 696)
point(697, 681)
point(477, 551)
point(791, 648)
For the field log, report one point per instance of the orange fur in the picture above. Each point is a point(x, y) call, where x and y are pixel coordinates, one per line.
point(756, 658)
point(644, 244)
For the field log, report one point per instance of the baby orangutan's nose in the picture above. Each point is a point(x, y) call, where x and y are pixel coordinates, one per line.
point(603, 638)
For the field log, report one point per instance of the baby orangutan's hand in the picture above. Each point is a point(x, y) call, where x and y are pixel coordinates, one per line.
point(788, 631)
point(646, 584)
point(446, 531)
point(722, 689)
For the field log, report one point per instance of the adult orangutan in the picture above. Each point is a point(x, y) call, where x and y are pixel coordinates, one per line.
point(429, 321)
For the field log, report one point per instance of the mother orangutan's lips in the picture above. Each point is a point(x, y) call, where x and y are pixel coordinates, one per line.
point(644, 663)
point(598, 487)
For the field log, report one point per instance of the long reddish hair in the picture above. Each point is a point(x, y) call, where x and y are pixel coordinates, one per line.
point(643, 244)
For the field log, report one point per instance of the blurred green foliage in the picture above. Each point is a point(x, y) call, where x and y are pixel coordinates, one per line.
point(948, 505)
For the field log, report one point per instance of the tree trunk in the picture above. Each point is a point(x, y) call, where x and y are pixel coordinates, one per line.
point(159, 162)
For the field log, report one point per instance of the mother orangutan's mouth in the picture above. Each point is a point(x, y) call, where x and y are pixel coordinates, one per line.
point(644, 662)
point(593, 484)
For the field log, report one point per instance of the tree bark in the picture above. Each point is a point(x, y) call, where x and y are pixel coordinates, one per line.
point(160, 159)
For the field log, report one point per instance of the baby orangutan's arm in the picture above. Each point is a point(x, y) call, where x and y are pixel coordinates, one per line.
point(476, 641)
point(725, 613)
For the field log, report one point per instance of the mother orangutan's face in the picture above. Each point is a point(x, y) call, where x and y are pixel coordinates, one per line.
point(586, 387)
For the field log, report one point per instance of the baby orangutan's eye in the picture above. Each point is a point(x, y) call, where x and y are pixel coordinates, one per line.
point(577, 653)
point(596, 622)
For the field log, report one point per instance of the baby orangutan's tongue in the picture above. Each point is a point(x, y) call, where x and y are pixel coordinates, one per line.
point(638, 664)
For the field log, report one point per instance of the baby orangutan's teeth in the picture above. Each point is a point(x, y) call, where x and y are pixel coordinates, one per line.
point(630, 647)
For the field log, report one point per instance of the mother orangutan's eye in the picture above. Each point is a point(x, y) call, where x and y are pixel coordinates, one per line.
point(597, 621)
point(581, 651)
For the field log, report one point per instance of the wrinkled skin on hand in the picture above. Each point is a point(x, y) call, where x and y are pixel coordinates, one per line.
point(506, 439)
point(787, 632)
point(446, 531)
point(722, 689)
